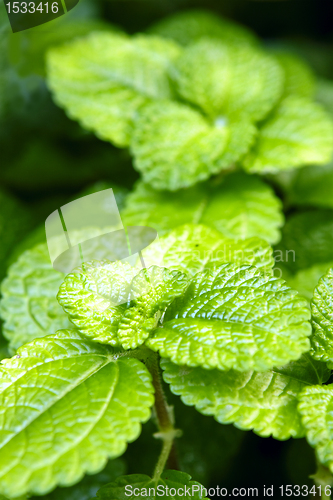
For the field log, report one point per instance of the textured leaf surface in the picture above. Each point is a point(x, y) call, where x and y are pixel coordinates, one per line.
point(322, 319)
point(88, 487)
point(117, 304)
point(29, 305)
point(228, 79)
point(175, 146)
point(316, 409)
point(67, 404)
point(234, 317)
point(170, 479)
point(241, 207)
point(193, 247)
point(189, 26)
point(297, 133)
point(104, 79)
point(299, 79)
point(307, 239)
point(264, 402)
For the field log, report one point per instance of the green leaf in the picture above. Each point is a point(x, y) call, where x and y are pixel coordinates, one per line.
point(154, 289)
point(189, 26)
point(263, 402)
point(307, 240)
point(29, 305)
point(123, 487)
point(175, 146)
point(103, 80)
point(88, 487)
point(296, 133)
point(115, 303)
point(241, 207)
point(234, 317)
point(299, 78)
point(315, 407)
point(193, 247)
point(228, 79)
point(322, 319)
point(67, 405)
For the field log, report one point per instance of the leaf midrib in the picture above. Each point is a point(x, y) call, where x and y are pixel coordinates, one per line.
point(67, 390)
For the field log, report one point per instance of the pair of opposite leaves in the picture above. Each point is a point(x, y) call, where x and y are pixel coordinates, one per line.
point(188, 113)
point(223, 317)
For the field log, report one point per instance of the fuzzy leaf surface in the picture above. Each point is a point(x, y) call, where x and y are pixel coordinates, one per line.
point(241, 207)
point(189, 26)
point(229, 79)
point(193, 247)
point(316, 409)
point(170, 478)
point(175, 146)
point(103, 80)
point(117, 304)
point(67, 405)
point(29, 305)
point(296, 133)
point(237, 318)
point(263, 402)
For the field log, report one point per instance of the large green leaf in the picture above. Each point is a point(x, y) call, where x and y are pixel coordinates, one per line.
point(307, 240)
point(29, 305)
point(234, 317)
point(265, 402)
point(316, 409)
point(115, 303)
point(228, 79)
point(104, 79)
point(241, 207)
point(296, 133)
point(193, 247)
point(88, 487)
point(149, 488)
point(67, 405)
point(188, 26)
point(322, 319)
point(175, 146)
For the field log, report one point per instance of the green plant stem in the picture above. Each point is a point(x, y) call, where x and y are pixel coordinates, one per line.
point(165, 421)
